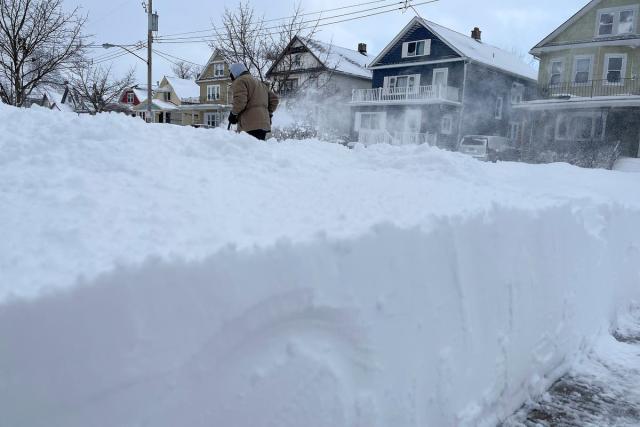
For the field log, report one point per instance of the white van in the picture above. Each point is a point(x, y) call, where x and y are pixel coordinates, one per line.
point(490, 148)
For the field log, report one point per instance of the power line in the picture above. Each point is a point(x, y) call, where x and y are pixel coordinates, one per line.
point(176, 57)
point(324, 24)
point(303, 23)
point(213, 29)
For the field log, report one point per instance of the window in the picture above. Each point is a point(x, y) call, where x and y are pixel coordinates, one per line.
point(499, 107)
point(517, 93)
point(403, 83)
point(614, 68)
point(168, 117)
point(213, 92)
point(556, 72)
point(213, 119)
point(169, 96)
point(289, 86)
point(218, 69)
point(446, 125)
point(297, 60)
point(417, 48)
point(580, 127)
point(582, 67)
point(370, 121)
point(616, 21)
point(130, 98)
point(514, 131)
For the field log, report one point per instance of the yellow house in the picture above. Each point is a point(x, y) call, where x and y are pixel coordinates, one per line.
point(215, 95)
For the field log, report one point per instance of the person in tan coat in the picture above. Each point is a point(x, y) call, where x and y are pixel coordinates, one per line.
point(253, 103)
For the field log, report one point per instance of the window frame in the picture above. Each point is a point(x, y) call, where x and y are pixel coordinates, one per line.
point(517, 93)
point(131, 98)
point(562, 63)
point(577, 58)
point(446, 130)
point(380, 117)
point(215, 69)
point(426, 51)
point(217, 119)
point(616, 12)
point(218, 91)
point(571, 134)
point(605, 69)
point(514, 136)
point(498, 111)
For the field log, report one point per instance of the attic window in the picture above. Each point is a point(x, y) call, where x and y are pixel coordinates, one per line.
point(416, 48)
point(130, 98)
point(218, 70)
point(616, 21)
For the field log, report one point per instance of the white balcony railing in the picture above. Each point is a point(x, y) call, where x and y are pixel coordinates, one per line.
point(370, 137)
point(401, 95)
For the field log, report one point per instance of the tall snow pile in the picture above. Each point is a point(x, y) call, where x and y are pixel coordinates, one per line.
point(155, 275)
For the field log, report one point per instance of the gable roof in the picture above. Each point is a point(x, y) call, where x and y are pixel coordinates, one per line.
point(185, 89)
point(211, 60)
point(586, 9)
point(467, 47)
point(340, 59)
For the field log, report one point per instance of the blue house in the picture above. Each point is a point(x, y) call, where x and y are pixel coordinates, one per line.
point(433, 85)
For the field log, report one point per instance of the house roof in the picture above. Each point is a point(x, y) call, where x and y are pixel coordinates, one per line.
point(340, 59)
point(156, 104)
point(185, 89)
point(568, 23)
point(470, 48)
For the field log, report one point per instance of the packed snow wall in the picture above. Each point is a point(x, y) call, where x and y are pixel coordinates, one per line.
point(429, 311)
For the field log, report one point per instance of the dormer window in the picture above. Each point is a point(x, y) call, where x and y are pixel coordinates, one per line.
point(616, 21)
point(416, 48)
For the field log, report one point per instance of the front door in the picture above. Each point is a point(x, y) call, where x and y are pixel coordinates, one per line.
point(440, 77)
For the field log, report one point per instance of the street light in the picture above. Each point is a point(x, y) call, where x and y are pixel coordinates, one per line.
point(146, 61)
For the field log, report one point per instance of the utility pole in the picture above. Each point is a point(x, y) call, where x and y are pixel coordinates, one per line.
point(149, 59)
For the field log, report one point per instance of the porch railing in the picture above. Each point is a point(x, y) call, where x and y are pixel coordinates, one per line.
point(405, 94)
point(369, 137)
point(589, 89)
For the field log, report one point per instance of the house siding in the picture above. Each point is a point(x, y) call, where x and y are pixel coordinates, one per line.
point(456, 73)
point(208, 78)
point(439, 49)
point(484, 86)
point(584, 29)
point(632, 70)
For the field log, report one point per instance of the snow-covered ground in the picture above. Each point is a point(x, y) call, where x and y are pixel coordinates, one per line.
point(162, 276)
point(627, 164)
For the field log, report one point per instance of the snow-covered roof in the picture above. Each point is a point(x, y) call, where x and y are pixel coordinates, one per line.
point(340, 59)
point(157, 104)
point(468, 47)
point(482, 52)
point(185, 89)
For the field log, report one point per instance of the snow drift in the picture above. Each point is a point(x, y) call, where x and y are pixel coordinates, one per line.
point(163, 276)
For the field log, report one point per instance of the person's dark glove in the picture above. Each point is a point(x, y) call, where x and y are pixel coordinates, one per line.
point(233, 119)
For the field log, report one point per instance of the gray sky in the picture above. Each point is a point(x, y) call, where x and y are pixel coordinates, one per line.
point(510, 24)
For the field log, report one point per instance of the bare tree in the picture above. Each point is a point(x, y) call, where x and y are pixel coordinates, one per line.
point(38, 41)
point(97, 86)
point(247, 38)
point(186, 70)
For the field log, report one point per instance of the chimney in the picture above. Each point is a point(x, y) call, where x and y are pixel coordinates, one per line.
point(476, 34)
point(362, 48)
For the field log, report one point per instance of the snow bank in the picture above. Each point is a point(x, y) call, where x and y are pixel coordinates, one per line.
point(162, 276)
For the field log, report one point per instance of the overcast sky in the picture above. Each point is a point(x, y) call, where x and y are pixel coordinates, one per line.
point(510, 24)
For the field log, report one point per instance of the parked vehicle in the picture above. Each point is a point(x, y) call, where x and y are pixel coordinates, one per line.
point(489, 148)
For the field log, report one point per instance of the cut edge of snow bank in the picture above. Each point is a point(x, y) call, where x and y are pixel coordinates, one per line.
point(458, 325)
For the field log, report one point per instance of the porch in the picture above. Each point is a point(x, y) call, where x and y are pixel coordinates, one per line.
point(381, 136)
point(406, 95)
point(587, 89)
